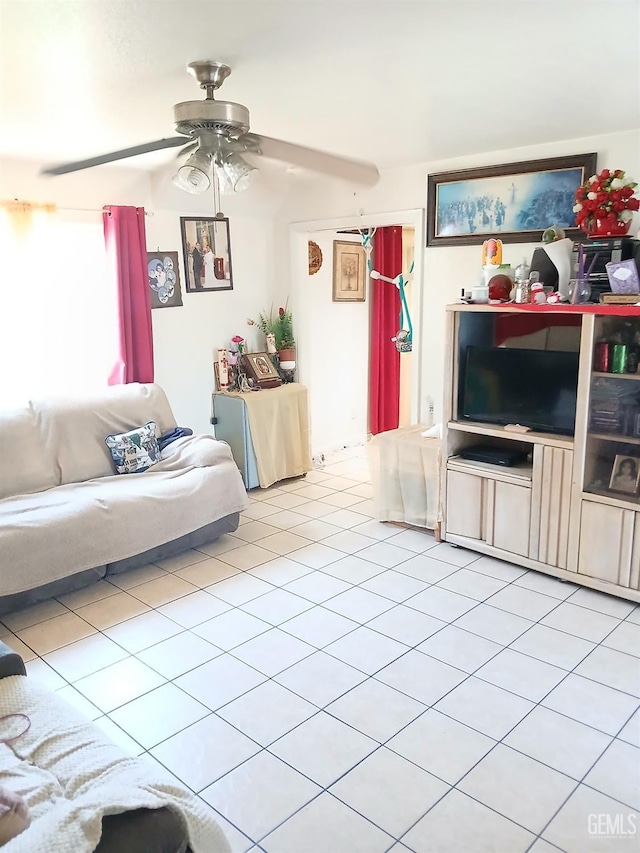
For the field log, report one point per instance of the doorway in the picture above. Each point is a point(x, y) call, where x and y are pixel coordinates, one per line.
point(334, 338)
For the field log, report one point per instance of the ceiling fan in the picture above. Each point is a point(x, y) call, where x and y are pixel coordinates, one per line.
point(215, 134)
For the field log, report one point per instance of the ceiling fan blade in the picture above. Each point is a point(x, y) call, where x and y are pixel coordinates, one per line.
point(158, 145)
point(318, 161)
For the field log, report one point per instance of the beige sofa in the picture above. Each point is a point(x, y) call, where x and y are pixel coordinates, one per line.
point(67, 519)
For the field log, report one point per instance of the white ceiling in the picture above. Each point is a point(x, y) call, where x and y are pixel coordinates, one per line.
point(391, 81)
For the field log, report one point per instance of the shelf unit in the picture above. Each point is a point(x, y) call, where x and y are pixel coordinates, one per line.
point(599, 375)
point(556, 513)
point(627, 439)
point(477, 428)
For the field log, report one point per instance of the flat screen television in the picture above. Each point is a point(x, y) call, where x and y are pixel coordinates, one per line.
point(534, 388)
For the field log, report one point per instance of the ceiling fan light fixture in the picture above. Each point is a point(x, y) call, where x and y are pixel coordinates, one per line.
point(239, 173)
point(194, 175)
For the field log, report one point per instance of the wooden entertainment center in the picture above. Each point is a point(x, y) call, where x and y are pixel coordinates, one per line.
point(565, 511)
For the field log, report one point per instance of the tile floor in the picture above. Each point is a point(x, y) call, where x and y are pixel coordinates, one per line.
point(330, 684)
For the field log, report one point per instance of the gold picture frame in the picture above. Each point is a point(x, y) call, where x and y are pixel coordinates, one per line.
point(349, 272)
point(259, 367)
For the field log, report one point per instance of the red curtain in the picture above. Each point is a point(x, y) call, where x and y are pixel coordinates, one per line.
point(126, 245)
point(384, 370)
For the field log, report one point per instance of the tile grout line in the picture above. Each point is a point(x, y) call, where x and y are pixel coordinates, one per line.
point(409, 648)
point(500, 741)
point(394, 603)
point(384, 743)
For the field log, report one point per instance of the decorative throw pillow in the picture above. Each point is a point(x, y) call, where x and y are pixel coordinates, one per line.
point(136, 450)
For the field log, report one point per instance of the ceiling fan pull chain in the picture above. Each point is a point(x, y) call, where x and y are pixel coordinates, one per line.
point(216, 192)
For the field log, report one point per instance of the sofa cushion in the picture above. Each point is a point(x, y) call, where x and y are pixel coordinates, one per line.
point(135, 451)
point(26, 464)
point(73, 430)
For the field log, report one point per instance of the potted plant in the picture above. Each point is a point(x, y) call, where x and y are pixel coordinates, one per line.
point(280, 326)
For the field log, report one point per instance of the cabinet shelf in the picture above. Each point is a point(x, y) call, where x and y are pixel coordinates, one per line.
point(522, 472)
point(608, 499)
point(619, 439)
point(598, 375)
point(551, 439)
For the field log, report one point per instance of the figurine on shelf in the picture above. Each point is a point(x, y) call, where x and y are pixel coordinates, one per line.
point(223, 369)
point(538, 296)
point(492, 252)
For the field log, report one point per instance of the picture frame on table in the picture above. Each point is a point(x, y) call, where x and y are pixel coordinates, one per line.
point(349, 271)
point(516, 202)
point(206, 247)
point(625, 475)
point(259, 367)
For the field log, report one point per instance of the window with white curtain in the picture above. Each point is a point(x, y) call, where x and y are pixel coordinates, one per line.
point(57, 319)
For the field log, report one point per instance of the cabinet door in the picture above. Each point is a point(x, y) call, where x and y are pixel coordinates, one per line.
point(511, 518)
point(490, 510)
point(464, 504)
point(607, 542)
point(551, 501)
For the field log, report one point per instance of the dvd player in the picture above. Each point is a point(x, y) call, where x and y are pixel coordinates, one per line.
point(506, 456)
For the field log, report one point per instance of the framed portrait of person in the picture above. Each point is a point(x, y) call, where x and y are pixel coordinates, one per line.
point(206, 247)
point(625, 475)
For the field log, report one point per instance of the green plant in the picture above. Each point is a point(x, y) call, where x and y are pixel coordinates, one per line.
point(279, 325)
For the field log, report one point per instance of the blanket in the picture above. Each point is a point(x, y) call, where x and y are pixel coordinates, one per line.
point(405, 473)
point(71, 776)
point(52, 534)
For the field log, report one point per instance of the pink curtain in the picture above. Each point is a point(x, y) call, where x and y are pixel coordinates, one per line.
point(126, 245)
point(384, 370)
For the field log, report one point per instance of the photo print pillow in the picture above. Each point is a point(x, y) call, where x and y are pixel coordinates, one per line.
point(134, 451)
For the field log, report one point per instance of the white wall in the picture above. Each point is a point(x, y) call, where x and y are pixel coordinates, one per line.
point(446, 269)
point(184, 337)
point(335, 363)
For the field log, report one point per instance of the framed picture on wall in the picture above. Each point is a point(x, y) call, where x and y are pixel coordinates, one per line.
point(206, 245)
point(164, 279)
point(515, 201)
point(349, 272)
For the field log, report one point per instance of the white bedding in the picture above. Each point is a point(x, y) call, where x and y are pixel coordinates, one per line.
point(71, 775)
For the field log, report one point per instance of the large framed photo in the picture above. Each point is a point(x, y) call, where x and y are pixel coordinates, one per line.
point(207, 253)
point(349, 271)
point(515, 202)
point(164, 279)
point(625, 475)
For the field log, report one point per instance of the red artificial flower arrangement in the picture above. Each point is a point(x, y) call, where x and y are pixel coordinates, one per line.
point(605, 202)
